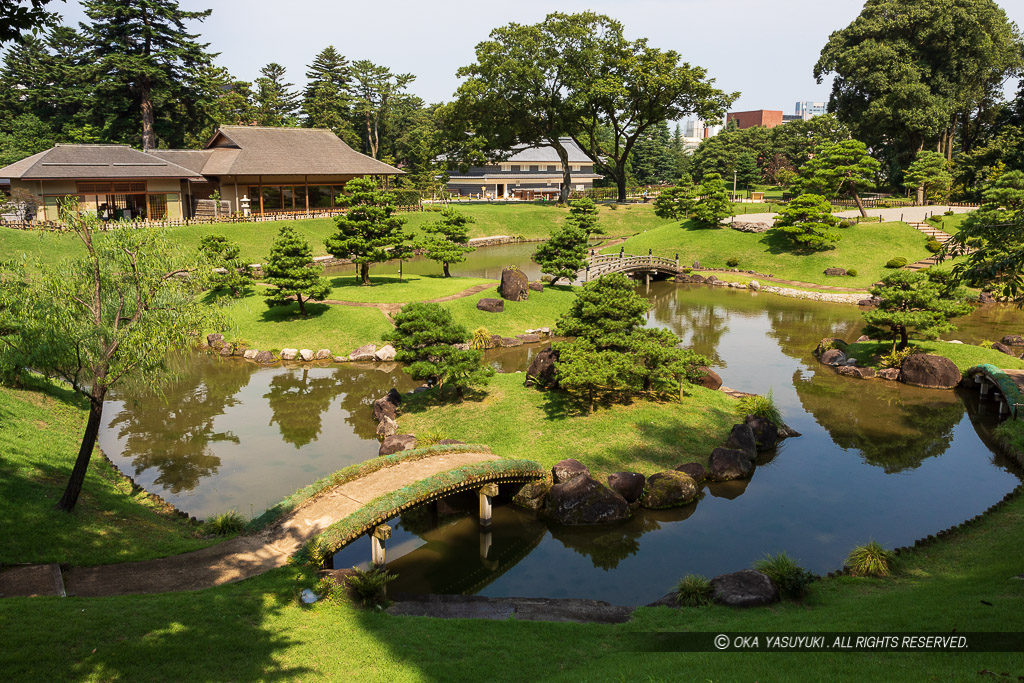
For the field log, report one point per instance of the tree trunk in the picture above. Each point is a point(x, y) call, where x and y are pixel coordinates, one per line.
point(364, 273)
point(920, 195)
point(92, 428)
point(563, 157)
point(302, 305)
point(446, 272)
point(146, 105)
point(860, 204)
point(904, 339)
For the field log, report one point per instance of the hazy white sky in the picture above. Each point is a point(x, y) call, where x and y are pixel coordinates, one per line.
point(766, 49)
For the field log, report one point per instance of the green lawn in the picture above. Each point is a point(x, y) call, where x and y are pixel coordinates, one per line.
point(864, 247)
point(948, 224)
point(41, 428)
point(338, 328)
point(388, 289)
point(644, 436)
point(540, 310)
point(964, 355)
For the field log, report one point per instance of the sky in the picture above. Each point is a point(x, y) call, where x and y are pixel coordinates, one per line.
point(765, 50)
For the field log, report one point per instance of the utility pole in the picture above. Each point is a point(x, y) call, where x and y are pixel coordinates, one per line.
point(734, 184)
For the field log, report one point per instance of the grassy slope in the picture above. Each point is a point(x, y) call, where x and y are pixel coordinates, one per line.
point(865, 247)
point(41, 432)
point(964, 355)
point(542, 309)
point(949, 224)
point(388, 289)
point(644, 437)
point(258, 630)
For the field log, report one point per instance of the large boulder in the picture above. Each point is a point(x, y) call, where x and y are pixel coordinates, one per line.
point(508, 342)
point(397, 443)
point(986, 298)
point(766, 434)
point(306, 354)
point(828, 342)
point(323, 354)
point(751, 226)
point(365, 352)
point(491, 305)
point(215, 340)
point(833, 357)
point(537, 286)
point(584, 500)
point(515, 286)
point(1013, 340)
point(1003, 348)
point(854, 371)
point(567, 469)
point(250, 354)
point(289, 354)
point(385, 353)
point(697, 279)
point(669, 489)
point(528, 338)
point(629, 485)
point(695, 470)
point(265, 357)
point(741, 438)
point(747, 588)
point(891, 374)
point(727, 463)
point(386, 427)
point(382, 408)
point(835, 272)
point(226, 350)
point(926, 370)
point(709, 378)
point(531, 496)
point(542, 369)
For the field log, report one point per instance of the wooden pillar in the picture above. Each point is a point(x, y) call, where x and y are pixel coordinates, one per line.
point(260, 180)
point(238, 207)
point(985, 386)
point(380, 534)
point(486, 492)
point(306, 181)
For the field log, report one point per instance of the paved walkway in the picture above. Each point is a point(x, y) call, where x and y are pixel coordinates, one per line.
point(908, 214)
point(238, 558)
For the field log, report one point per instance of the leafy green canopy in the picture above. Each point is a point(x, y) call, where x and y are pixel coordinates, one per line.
point(912, 303)
point(996, 231)
point(807, 223)
point(231, 271)
point(370, 231)
point(839, 170)
point(425, 336)
point(290, 269)
point(449, 237)
point(713, 206)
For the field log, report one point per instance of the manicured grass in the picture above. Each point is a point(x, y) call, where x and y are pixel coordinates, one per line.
point(388, 289)
point(864, 247)
point(540, 310)
point(41, 429)
point(948, 224)
point(964, 355)
point(338, 328)
point(520, 422)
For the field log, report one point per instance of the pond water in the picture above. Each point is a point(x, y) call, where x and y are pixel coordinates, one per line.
point(876, 459)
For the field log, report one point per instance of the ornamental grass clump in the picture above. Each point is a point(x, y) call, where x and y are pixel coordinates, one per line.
point(694, 590)
point(790, 578)
point(761, 406)
point(371, 585)
point(870, 559)
point(225, 524)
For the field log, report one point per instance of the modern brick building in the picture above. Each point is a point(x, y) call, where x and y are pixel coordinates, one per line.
point(758, 117)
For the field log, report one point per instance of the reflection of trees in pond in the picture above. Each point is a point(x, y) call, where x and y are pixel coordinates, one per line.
point(608, 544)
point(799, 328)
point(173, 432)
point(894, 426)
point(298, 398)
point(699, 323)
point(360, 384)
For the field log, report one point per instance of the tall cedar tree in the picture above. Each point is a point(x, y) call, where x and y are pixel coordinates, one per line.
point(117, 311)
point(713, 207)
point(326, 102)
point(142, 46)
point(277, 104)
point(449, 238)
point(425, 336)
point(225, 257)
point(842, 169)
point(290, 269)
point(376, 94)
point(911, 303)
point(564, 254)
point(370, 231)
point(807, 223)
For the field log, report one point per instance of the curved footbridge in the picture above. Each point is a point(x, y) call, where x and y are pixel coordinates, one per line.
point(649, 267)
point(338, 514)
point(1004, 386)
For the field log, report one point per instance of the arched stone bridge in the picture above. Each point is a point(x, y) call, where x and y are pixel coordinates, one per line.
point(647, 266)
point(1005, 386)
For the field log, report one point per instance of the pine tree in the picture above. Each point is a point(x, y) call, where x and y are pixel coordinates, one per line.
point(450, 237)
point(583, 215)
point(929, 175)
point(142, 48)
point(678, 201)
point(224, 255)
point(840, 169)
point(606, 312)
point(807, 223)
point(289, 268)
point(276, 103)
point(564, 254)
point(714, 206)
point(911, 303)
point(376, 93)
point(326, 102)
point(369, 232)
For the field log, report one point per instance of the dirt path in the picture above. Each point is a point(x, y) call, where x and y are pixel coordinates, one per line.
point(242, 557)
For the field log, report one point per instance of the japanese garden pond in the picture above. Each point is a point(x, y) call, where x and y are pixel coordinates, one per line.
point(875, 460)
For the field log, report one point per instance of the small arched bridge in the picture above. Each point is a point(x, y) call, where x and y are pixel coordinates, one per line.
point(1005, 386)
point(638, 266)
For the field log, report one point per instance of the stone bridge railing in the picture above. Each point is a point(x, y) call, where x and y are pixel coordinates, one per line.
point(603, 264)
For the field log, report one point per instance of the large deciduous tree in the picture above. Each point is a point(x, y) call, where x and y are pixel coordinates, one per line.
point(843, 169)
point(143, 50)
point(370, 231)
point(114, 312)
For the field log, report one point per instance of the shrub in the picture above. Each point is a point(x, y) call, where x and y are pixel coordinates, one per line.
point(852, 272)
point(940, 276)
point(897, 262)
point(933, 246)
point(317, 552)
point(987, 344)
point(762, 406)
point(371, 585)
point(895, 359)
point(948, 212)
point(884, 205)
point(687, 270)
point(870, 560)
point(790, 578)
point(429, 437)
point(694, 590)
point(328, 589)
point(406, 197)
point(732, 262)
point(481, 339)
point(845, 224)
point(225, 524)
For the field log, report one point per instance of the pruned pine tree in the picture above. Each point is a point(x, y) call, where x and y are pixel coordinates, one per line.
point(807, 223)
point(290, 269)
point(370, 231)
point(449, 238)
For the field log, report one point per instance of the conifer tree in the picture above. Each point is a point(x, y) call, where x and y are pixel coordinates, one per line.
point(224, 255)
point(276, 103)
point(369, 232)
point(678, 201)
point(911, 303)
point(807, 223)
point(714, 206)
point(449, 238)
point(929, 175)
point(564, 254)
point(289, 268)
point(583, 215)
point(842, 169)
point(326, 102)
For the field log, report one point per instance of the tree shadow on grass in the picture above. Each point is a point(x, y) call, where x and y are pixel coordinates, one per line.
point(423, 401)
point(290, 313)
point(777, 243)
